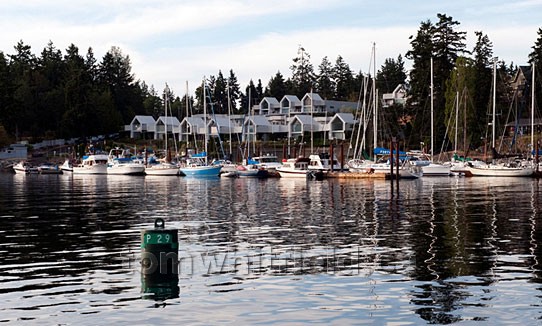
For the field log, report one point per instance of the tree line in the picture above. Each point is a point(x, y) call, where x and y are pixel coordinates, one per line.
point(70, 94)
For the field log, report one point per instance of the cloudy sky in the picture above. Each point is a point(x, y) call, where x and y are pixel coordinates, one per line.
point(176, 42)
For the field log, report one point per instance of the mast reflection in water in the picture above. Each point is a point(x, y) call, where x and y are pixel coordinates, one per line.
point(434, 250)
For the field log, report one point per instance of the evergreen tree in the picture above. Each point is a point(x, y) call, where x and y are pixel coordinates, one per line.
point(51, 70)
point(448, 45)
point(391, 74)
point(235, 92)
point(444, 44)
point(345, 90)
point(536, 58)
point(116, 76)
point(22, 70)
point(220, 96)
point(303, 77)
point(325, 86)
point(256, 98)
point(77, 118)
point(481, 91)
point(459, 88)
point(152, 102)
point(5, 94)
point(276, 87)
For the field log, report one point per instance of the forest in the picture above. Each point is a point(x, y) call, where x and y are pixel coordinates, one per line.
point(56, 94)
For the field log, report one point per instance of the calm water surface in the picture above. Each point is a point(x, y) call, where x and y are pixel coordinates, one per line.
point(438, 250)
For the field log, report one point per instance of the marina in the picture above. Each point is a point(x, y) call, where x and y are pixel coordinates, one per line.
point(435, 250)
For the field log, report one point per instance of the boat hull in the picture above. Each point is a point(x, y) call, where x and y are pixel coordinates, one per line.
point(94, 169)
point(129, 169)
point(436, 170)
point(293, 174)
point(203, 171)
point(501, 172)
point(159, 169)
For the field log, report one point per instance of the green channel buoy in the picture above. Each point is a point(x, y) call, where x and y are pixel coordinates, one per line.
point(160, 262)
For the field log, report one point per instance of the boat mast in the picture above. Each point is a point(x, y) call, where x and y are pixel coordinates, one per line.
point(312, 110)
point(532, 109)
point(205, 117)
point(193, 129)
point(375, 109)
point(250, 118)
point(456, 119)
point(165, 120)
point(494, 101)
point(432, 117)
point(229, 115)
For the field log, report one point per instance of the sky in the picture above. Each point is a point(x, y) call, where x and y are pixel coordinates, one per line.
point(179, 43)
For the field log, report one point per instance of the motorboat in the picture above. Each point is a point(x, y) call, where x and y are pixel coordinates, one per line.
point(91, 164)
point(297, 168)
point(24, 168)
point(121, 162)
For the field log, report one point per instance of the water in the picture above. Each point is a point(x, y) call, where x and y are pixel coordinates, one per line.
point(438, 250)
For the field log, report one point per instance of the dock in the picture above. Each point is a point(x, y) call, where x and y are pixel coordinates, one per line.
point(356, 175)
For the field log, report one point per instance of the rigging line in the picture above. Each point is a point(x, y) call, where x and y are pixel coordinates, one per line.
point(213, 116)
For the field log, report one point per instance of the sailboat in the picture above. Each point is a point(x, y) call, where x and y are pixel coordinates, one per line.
point(197, 164)
point(383, 157)
point(502, 169)
point(249, 167)
point(432, 168)
point(164, 167)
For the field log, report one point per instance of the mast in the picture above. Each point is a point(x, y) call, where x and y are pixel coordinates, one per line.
point(456, 119)
point(532, 108)
point(229, 115)
point(165, 120)
point(494, 101)
point(375, 108)
point(312, 110)
point(250, 115)
point(289, 127)
point(205, 117)
point(187, 112)
point(432, 116)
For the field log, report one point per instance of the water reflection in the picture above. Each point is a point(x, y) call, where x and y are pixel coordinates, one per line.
point(436, 250)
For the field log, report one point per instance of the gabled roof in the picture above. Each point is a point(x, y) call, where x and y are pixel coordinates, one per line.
point(170, 121)
point(259, 120)
point(316, 99)
point(143, 119)
point(221, 120)
point(271, 100)
point(345, 117)
point(194, 121)
point(525, 71)
point(292, 99)
point(305, 119)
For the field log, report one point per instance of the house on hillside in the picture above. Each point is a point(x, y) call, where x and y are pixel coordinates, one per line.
point(313, 103)
point(191, 127)
point(339, 125)
point(302, 123)
point(397, 97)
point(290, 104)
point(167, 125)
point(267, 106)
point(142, 126)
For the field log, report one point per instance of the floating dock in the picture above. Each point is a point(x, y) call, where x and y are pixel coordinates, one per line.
point(356, 175)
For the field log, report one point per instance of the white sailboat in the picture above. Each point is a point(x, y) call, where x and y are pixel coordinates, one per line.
point(382, 165)
point(432, 168)
point(164, 167)
point(500, 169)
